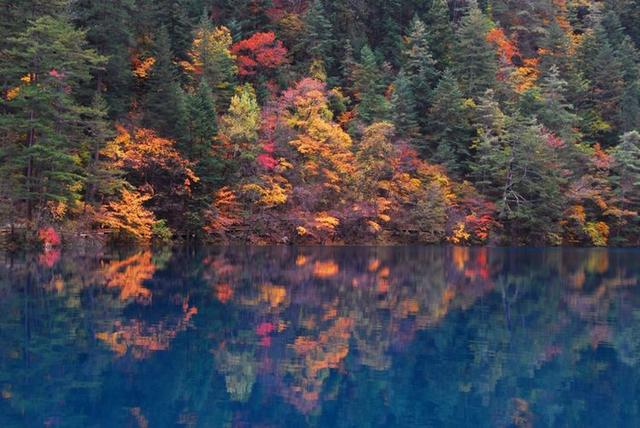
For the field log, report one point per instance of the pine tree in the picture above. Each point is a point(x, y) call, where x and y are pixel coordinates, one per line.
point(369, 84)
point(440, 33)
point(554, 112)
point(110, 33)
point(164, 102)
point(15, 16)
point(317, 42)
point(475, 59)
point(420, 68)
point(603, 70)
point(179, 26)
point(449, 133)
point(629, 115)
point(404, 107)
point(626, 180)
point(44, 124)
point(102, 178)
point(202, 129)
point(517, 168)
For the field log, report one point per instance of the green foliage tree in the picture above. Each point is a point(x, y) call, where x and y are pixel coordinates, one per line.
point(164, 101)
point(109, 32)
point(449, 133)
point(517, 167)
point(626, 180)
point(211, 56)
point(420, 68)
point(369, 84)
point(404, 107)
point(43, 123)
point(318, 42)
point(440, 33)
point(474, 58)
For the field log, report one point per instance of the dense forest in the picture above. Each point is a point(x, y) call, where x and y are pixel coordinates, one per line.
point(321, 121)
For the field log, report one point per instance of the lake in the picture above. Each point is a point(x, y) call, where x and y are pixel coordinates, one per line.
point(329, 337)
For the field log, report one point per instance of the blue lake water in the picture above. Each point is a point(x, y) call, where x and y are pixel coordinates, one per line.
point(329, 337)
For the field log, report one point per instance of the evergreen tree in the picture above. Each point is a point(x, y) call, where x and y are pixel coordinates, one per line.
point(109, 32)
point(102, 178)
point(420, 68)
point(626, 179)
point(164, 102)
point(179, 25)
point(553, 111)
point(43, 124)
point(403, 104)
point(318, 41)
point(370, 88)
point(15, 16)
point(603, 70)
point(348, 68)
point(476, 61)
point(450, 133)
point(629, 116)
point(517, 168)
point(202, 128)
point(440, 33)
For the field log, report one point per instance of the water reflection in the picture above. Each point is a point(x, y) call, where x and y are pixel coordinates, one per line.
point(386, 336)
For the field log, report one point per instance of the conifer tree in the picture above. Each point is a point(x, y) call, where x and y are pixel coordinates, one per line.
point(164, 102)
point(517, 168)
point(403, 104)
point(629, 115)
point(318, 42)
point(420, 68)
point(43, 122)
point(370, 88)
point(626, 180)
point(440, 33)
point(109, 32)
point(449, 133)
point(554, 112)
point(475, 59)
point(202, 130)
point(603, 70)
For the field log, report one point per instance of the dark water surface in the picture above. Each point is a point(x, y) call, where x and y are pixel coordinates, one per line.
point(332, 337)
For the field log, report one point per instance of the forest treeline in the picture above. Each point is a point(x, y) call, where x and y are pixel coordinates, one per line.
point(316, 121)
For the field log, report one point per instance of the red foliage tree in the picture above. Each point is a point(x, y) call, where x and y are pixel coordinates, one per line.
point(260, 51)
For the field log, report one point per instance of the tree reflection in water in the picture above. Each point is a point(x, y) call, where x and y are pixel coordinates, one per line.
point(407, 336)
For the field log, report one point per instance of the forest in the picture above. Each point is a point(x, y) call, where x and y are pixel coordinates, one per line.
point(502, 122)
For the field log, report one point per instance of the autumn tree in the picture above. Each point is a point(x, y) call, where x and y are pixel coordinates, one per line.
point(239, 127)
point(211, 59)
point(259, 53)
